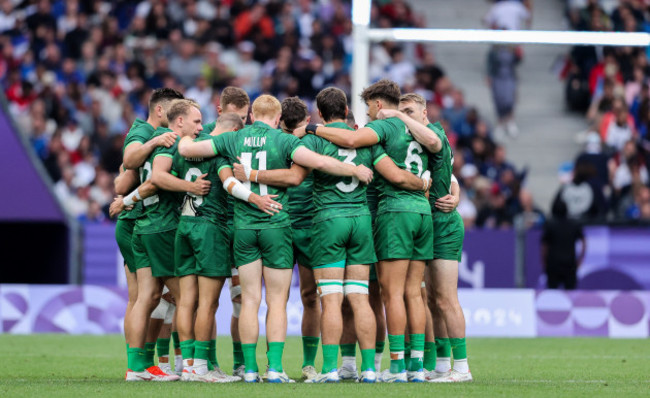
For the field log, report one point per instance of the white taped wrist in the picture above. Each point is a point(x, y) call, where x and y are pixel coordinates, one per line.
point(454, 179)
point(237, 189)
point(132, 198)
point(169, 316)
point(161, 310)
point(247, 171)
point(351, 286)
point(329, 286)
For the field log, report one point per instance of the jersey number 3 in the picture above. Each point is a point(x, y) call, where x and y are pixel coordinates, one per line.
point(349, 154)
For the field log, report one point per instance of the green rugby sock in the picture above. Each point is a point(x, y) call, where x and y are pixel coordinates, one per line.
point(368, 359)
point(187, 350)
point(309, 350)
point(137, 359)
point(162, 347)
point(458, 347)
point(212, 355)
point(274, 355)
point(177, 342)
point(237, 354)
point(417, 352)
point(443, 347)
point(429, 355)
point(379, 347)
point(396, 346)
point(407, 350)
point(349, 350)
point(330, 357)
point(150, 349)
point(249, 352)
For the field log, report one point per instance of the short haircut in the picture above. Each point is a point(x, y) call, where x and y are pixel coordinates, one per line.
point(229, 122)
point(180, 108)
point(413, 97)
point(332, 103)
point(266, 106)
point(161, 95)
point(235, 96)
point(294, 111)
point(386, 90)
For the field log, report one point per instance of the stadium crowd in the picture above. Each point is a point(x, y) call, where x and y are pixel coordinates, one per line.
point(610, 176)
point(77, 73)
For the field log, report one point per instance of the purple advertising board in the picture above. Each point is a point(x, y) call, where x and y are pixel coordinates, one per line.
point(88, 309)
point(616, 258)
point(488, 258)
point(33, 200)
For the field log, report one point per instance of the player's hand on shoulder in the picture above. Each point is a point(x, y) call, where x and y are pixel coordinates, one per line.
point(300, 131)
point(166, 140)
point(386, 113)
point(201, 186)
point(364, 174)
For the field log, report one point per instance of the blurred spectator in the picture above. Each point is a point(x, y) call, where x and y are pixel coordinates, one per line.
point(583, 196)
point(93, 215)
point(594, 156)
point(495, 213)
point(508, 15)
point(530, 216)
point(502, 78)
point(617, 126)
point(559, 249)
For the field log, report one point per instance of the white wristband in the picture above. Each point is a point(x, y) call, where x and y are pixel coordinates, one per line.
point(236, 189)
point(426, 176)
point(132, 198)
point(454, 179)
point(247, 171)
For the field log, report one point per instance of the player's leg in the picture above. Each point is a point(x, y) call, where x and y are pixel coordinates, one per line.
point(443, 347)
point(123, 236)
point(329, 280)
point(235, 298)
point(176, 342)
point(310, 326)
point(153, 331)
point(416, 316)
point(429, 361)
point(164, 339)
point(356, 292)
point(377, 306)
point(208, 301)
point(277, 257)
point(348, 369)
point(250, 277)
point(277, 282)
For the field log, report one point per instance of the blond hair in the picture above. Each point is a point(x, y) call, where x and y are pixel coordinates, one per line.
point(266, 106)
point(413, 97)
point(181, 107)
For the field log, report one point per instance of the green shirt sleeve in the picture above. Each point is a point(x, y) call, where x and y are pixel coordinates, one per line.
point(377, 153)
point(207, 128)
point(289, 144)
point(220, 144)
point(311, 142)
point(221, 162)
point(381, 128)
point(169, 152)
point(142, 134)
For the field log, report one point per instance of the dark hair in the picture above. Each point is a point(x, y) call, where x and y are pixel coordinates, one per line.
point(164, 94)
point(294, 111)
point(235, 96)
point(385, 90)
point(332, 103)
point(349, 120)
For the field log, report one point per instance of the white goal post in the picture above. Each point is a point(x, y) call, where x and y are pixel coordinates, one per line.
point(363, 35)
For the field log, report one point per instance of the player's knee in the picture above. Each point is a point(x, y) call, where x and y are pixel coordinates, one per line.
point(309, 298)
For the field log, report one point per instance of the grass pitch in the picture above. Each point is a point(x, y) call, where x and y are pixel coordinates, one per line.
point(71, 366)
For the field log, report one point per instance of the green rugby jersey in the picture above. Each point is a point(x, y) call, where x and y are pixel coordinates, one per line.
point(301, 203)
point(441, 167)
point(208, 127)
point(262, 148)
point(161, 211)
point(213, 206)
point(141, 132)
point(408, 154)
point(336, 196)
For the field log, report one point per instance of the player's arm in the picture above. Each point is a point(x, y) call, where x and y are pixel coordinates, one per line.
point(448, 203)
point(136, 153)
point(326, 164)
point(162, 178)
point(125, 181)
point(401, 178)
point(290, 177)
point(235, 188)
point(201, 149)
point(420, 132)
point(341, 137)
point(121, 203)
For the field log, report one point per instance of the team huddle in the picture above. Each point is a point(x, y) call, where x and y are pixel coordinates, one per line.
point(368, 215)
